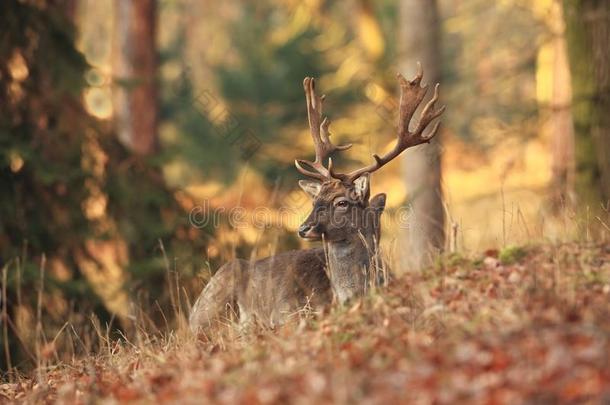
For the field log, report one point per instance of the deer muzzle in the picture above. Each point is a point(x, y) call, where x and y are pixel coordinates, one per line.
point(310, 231)
point(312, 228)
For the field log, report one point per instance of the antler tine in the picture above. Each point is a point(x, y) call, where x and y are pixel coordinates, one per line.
point(429, 113)
point(320, 134)
point(411, 96)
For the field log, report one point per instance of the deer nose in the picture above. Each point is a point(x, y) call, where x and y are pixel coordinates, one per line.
point(303, 229)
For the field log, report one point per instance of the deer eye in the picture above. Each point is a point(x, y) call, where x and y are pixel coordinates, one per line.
point(341, 203)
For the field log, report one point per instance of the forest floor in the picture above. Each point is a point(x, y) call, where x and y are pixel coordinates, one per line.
point(527, 325)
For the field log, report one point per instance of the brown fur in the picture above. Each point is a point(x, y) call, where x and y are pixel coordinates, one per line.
point(271, 290)
point(342, 216)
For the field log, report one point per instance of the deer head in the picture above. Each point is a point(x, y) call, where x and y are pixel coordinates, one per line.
point(341, 206)
point(341, 211)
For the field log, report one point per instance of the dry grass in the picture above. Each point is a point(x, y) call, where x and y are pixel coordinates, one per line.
point(507, 327)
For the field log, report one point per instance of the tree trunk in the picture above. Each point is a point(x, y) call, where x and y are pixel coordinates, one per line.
point(560, 120)
point(419, 40)
point(70, 8)
point(588, 35)
point(135, 67)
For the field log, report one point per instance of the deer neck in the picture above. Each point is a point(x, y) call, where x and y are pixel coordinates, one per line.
point(349, 263)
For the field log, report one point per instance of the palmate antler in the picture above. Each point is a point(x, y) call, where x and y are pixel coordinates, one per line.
point(411, 96)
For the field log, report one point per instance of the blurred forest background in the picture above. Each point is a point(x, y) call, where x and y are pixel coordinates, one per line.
point(118, 119)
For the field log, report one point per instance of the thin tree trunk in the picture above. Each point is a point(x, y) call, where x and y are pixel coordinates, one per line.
point(560, 120)
point(70, 8)
point(136, 119)
point(588, 35)
point(419, 40)
point(597, 18)
point(135, 67)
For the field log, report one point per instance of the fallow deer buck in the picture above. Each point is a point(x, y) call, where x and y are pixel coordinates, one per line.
point(343, 218)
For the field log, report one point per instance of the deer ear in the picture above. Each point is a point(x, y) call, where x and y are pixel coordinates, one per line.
point(377, 203)
point(310, 187)
point(362, 187)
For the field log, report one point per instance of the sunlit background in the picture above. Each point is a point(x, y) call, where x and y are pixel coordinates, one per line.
point(503, 64)
point(103, 173)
